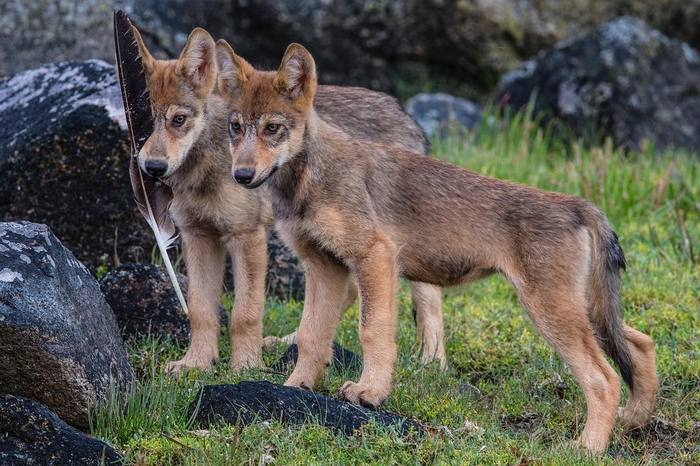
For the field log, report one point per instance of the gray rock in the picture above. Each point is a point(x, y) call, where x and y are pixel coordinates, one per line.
point(144, 302)
point(59, 342)
point(248, 402)
point(439, 113)
point(31, 434)
point(623, 80)
point(42, 31)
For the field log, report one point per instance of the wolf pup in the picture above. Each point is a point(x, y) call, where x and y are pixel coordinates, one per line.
point(188, 150)
point(357, 207)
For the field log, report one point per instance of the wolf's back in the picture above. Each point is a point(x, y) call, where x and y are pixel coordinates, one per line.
point(372, 115)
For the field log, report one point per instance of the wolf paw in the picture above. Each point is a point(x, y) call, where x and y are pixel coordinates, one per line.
point(191, 360)
point(271, 342)
point(632, 418)
point(243, 362)
point(362, 394)
point(299, 382)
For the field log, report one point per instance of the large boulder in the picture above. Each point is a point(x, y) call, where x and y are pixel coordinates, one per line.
point(453, 45)
point(64, 157)
point(622, 79)
point(144, 302)
point(458, 46)
point(59, 342)
point(248, 402)
point(31, 434)
point(42, 31)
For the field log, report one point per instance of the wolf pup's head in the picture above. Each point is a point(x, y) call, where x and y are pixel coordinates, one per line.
point(179, 90)
point(268, 110)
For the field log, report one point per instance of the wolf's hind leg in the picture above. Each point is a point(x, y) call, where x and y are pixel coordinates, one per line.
point(427, 304)
point(561, 318)
point(249, 255)
point(204, 258)
point(642, 399)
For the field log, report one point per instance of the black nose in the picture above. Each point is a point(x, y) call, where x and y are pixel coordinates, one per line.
point(244, 175)
point(156, 167)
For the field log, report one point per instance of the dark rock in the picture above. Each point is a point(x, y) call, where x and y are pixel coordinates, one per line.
point(144, 302)
point(440, 113)
point(285, 277)
point(59, 342)
point(343, 359)
point(457, 45)
point(64, 156)
point(248, 402)
point(623, 80)
point(31, 434)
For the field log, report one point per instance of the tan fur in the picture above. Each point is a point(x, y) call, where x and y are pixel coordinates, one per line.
point(212, 212)
point(378, 212)
point(640, 406)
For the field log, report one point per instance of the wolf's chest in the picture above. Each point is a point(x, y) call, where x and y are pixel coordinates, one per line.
point(228, 210)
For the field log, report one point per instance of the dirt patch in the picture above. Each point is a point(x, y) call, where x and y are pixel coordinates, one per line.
point(662, 438)
point(525, 422)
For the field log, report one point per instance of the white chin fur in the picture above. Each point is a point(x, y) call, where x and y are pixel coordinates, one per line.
point(282, 157)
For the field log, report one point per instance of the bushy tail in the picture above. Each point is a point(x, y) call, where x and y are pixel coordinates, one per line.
point(604, 293)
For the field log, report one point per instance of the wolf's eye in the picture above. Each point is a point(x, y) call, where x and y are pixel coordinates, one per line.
point(235, 127)
point(178, 120)
point(272, 128)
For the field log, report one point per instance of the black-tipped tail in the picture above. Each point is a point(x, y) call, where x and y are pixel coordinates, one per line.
point(606, 314)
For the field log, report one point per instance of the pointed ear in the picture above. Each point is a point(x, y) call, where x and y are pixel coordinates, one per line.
point(197, 61)
point(147, 59)
point(296, 76)
point(233, 70)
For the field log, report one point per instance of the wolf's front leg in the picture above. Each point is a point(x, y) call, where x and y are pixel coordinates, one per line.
point(327, 285)
point(204, 258)
point(377, 279)
point(270, 341)
point(249, 254)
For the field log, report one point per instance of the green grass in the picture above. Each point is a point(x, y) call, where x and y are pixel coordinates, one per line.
point(530, 407)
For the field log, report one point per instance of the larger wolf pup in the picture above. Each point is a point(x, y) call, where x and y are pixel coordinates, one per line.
point(357, 207)
point(188, 149)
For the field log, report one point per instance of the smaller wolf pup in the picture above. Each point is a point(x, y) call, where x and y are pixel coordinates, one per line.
point(348, 206)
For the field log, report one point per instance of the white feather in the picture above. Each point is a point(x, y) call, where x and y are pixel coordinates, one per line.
point(162, 242)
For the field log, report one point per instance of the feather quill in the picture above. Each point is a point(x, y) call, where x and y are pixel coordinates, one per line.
point(152, 197)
